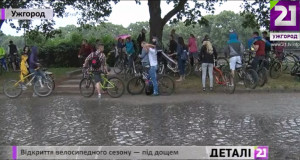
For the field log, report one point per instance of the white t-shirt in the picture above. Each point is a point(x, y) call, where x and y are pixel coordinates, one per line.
point(152, 57)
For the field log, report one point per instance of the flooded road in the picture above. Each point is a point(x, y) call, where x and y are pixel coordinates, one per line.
point(181, 120)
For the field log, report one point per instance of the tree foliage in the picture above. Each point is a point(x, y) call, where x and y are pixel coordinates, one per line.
point(256, 12)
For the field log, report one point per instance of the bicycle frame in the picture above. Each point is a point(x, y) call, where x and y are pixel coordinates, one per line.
point(105, 81)
point(24, 78)
point(218, 71)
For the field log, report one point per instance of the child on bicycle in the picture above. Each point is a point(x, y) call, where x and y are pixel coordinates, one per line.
point(96, 62)
point(24, 65)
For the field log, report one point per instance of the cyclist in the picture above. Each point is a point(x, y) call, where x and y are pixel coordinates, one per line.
point(33, 65)
point(2, 59)
point(234, 50)
point(152, 55)
point(96, 62)
point(24, 66)
point(259, 46)
point(13, 53)
point(130, 51)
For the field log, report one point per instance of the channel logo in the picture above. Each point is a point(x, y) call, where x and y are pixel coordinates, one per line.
point(261, 152)
point(285, 15)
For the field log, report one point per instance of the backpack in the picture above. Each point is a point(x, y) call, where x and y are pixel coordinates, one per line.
point(149, 87)
point(95, 62)
point(184, 55)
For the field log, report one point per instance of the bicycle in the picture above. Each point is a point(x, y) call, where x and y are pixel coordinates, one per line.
point(136, 85)
point(261, 70)
point(224, 79)
point(246, 74)
point(115, 86)
point(42, 87)
point(169, 65)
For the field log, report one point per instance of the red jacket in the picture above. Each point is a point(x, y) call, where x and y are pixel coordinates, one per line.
point(193, 45)
point(85, 50)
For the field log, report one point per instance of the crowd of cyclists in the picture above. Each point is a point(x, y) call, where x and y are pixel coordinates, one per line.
point(151, 56)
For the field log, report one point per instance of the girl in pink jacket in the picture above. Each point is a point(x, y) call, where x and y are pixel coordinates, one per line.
point(193, 49)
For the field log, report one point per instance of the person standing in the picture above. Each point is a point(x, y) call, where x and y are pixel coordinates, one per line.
point(172, 47)
point(24, 65)
point(85, 50)
point(141, 38)
point(259, 46)
point(175, 36)
point(207, 55)
point(96, 62)
point(234, 50)
point(152, 55)
point(130, 51)
point(193, 49)
point(182, 57)
point(13, 53)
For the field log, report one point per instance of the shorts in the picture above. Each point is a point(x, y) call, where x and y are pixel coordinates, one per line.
point(97, 77)
point(233, 62)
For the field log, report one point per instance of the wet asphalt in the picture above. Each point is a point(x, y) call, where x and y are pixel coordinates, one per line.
point(180, 120)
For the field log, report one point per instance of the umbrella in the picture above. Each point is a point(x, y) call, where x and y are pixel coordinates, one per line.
point(123, 36)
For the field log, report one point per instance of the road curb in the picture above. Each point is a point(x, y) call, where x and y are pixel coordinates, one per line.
point(72, 73)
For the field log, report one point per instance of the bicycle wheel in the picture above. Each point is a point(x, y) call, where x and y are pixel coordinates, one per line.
point(43, 87)
point(12, 89)
point(115, 87)
point(287, 63)
point(87, 87)
point(229, 83)
point(262, 77)
point(188, 69)
point(275, 70)
point(129, 73)
point(135, 85)
point(50, 77)
point(119, 66)
point(250, 79)
point(166, 85)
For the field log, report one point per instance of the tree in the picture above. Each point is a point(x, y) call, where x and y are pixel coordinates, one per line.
point(96, 11)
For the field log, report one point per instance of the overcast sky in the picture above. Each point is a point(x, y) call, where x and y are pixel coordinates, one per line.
point(126, 12)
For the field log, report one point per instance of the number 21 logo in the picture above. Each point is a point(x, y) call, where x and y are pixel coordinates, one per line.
point(284, 15)
point(261, 152)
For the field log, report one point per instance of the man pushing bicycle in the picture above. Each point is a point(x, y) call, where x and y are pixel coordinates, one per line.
point(96, 63)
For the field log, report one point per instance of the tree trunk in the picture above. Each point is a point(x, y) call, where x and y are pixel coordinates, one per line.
point(155, 22)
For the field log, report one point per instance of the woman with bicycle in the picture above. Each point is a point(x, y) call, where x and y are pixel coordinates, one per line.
point(96, 62)
point(24, 65)
point(207, 55)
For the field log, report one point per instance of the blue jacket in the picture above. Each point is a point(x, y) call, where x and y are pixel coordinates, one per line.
point(144, 56)
point(253, 40)
point(33, 60)
point(129, 48)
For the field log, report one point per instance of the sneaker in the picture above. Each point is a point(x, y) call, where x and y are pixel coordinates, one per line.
point(34, 95)
point(241, 83)
point(99, 96)
point(24, 87)
point(155, 94)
